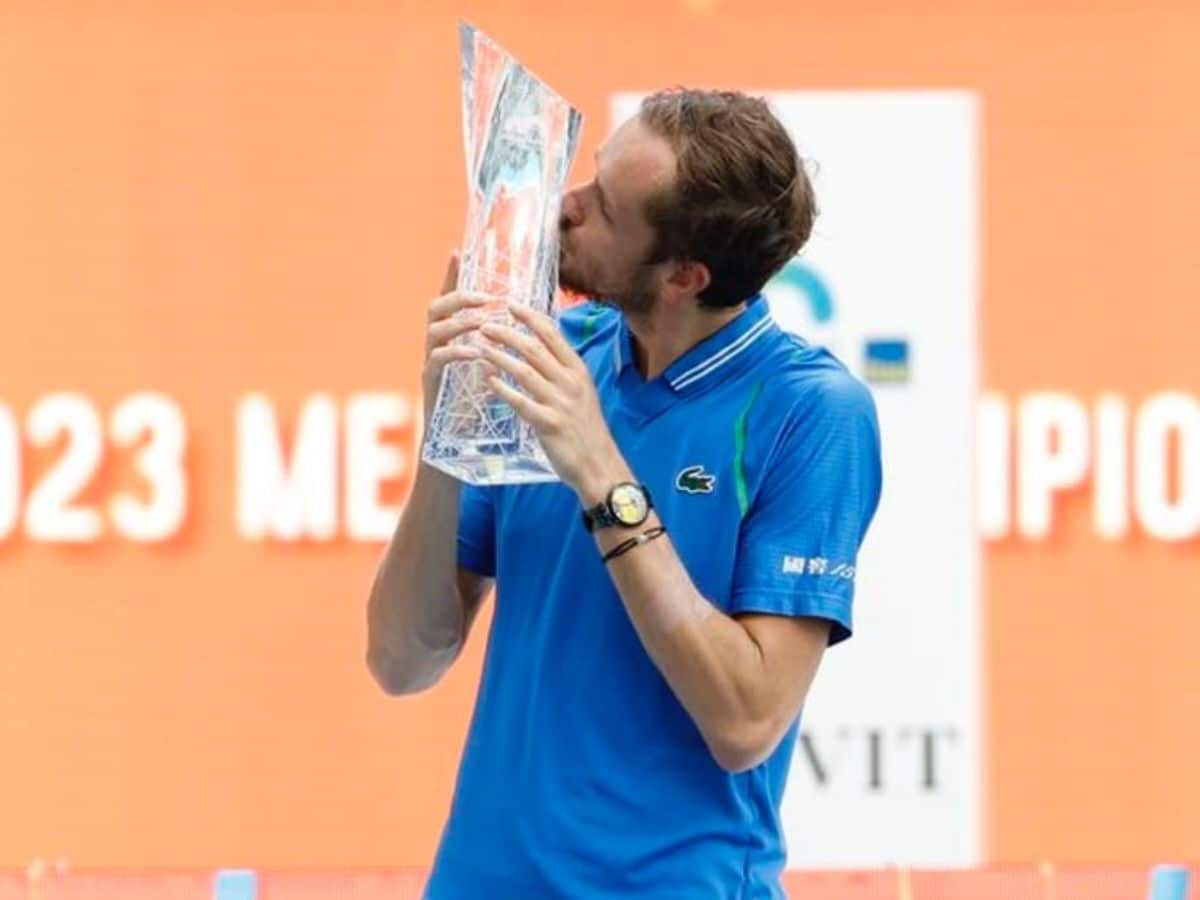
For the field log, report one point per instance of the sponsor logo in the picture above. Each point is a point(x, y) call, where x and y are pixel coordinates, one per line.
point(817, 565)
point(883, 758)
point(802, 303)
point(886, 361)
point(694, 480)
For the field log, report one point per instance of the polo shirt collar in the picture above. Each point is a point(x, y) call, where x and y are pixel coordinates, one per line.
point(709, 362)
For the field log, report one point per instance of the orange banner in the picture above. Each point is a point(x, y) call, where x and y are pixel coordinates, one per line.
point(220, 225)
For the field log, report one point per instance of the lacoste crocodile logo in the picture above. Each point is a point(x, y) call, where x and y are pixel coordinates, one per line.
point(694, 480)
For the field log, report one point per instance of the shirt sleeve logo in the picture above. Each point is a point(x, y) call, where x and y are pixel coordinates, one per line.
point(817, 565)
point(694, 480)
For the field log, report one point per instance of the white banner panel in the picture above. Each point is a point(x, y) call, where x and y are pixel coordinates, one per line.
point(888, 766)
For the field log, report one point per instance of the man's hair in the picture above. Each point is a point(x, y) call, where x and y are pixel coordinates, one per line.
point(741, 202)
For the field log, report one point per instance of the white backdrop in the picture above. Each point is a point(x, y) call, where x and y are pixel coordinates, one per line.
point(888, 767)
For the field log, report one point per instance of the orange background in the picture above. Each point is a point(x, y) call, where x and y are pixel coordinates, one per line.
point(208, 199)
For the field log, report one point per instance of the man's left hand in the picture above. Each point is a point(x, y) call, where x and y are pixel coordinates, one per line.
point(559, 401)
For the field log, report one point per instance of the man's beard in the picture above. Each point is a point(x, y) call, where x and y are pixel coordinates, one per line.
point(637, 299)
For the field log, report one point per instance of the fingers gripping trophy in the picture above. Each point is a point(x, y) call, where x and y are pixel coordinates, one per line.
point(520, 138)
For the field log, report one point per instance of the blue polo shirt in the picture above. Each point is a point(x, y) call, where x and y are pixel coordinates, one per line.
point(582, 775)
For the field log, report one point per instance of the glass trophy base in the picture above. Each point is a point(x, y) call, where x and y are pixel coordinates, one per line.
point(496, 467)
point(476, 437)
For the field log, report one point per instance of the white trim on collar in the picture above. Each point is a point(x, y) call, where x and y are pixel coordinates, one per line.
point(721, 357)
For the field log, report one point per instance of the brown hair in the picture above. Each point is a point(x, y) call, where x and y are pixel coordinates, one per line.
point(741, 202)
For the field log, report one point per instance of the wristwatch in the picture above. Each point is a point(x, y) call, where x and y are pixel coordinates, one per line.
point(627, 505)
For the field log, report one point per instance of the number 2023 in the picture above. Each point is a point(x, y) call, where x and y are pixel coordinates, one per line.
point(51, 513)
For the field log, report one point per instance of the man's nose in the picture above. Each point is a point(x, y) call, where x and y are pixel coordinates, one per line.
point(572, 209)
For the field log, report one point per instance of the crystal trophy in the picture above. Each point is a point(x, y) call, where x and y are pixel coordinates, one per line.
point(520, 138)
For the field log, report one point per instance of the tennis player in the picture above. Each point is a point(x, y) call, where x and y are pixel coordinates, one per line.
point(660, 614)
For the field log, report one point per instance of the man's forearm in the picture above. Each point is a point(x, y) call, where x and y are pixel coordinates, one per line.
point(709, 659)
point(415, 616)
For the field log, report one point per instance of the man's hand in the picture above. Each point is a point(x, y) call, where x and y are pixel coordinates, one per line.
point(443, 326)
point(559, 401)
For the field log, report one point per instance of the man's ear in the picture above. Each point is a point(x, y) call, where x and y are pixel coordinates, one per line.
point(687, 279)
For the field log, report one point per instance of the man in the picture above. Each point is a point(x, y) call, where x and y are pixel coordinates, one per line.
point(660, 613)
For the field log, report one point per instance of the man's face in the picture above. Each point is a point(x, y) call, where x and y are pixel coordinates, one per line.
point(605, 236)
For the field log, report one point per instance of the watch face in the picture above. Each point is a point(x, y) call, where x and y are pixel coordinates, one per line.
point(628, 504)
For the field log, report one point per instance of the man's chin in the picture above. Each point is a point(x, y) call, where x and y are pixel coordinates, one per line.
point(578, 289)
point(573, 287)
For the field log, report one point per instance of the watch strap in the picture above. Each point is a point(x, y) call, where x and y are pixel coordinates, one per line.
point(599, 516)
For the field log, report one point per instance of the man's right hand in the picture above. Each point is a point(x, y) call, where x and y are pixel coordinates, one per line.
point(443, 326)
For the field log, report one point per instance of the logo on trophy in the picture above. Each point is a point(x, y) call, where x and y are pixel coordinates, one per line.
point(519, 137)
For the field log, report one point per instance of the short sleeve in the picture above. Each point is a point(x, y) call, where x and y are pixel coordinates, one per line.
point(798, 544)
point(477, 530)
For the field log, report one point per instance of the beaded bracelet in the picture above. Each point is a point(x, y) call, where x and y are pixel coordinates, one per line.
point(644, 538)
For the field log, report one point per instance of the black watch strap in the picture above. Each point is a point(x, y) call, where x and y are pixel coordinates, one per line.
point(599, 516)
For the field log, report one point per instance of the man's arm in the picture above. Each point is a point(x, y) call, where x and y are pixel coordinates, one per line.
point(422, 603)
point(742, 680)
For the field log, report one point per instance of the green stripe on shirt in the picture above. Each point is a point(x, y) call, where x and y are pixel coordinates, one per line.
point(739, 450)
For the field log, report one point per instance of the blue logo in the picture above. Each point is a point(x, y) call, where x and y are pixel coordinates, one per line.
point(886, 360)
point(802, 303)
